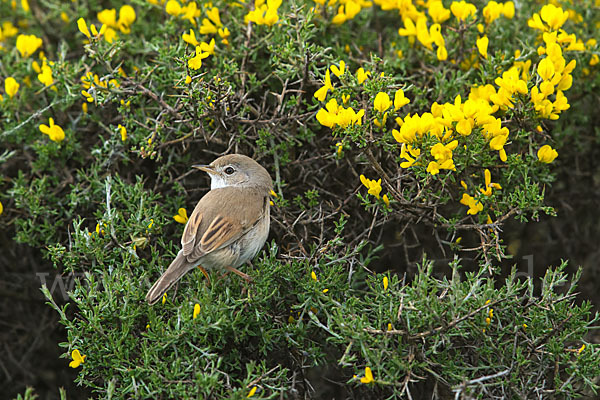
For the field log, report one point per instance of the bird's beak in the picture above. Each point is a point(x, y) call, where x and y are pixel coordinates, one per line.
point(206, 168)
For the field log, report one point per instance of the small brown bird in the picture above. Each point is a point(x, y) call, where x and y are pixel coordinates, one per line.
point(229, 225)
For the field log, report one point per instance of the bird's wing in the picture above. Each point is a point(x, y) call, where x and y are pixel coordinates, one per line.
point(211, 228)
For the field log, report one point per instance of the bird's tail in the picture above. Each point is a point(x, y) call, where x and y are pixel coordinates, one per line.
point(176, 270)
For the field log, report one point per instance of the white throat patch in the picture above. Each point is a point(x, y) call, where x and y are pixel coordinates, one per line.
point(217, 182)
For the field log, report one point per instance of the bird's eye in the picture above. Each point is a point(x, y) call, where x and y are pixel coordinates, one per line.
point(229, 170)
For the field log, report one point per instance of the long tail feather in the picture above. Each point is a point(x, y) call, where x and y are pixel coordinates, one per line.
point(176, 270)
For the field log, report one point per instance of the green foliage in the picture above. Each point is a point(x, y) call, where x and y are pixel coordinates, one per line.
point(357, 170)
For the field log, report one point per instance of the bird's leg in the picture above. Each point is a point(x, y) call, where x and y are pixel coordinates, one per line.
point(239, 273)
point(204, 273)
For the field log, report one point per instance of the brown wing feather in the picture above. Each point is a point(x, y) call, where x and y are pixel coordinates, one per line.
point(212, 230)
point(188, 240)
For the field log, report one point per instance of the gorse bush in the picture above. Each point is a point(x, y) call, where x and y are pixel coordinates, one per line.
point(423, 124)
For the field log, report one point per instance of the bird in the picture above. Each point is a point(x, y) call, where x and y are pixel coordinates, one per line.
point(229, 225)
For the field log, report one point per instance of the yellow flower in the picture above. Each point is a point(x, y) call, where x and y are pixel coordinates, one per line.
point(123, 132)
point(252, 391)
point(462, 10)
point(545, 69)
point(313, 275)
point(553, 16)
point(28, 44)
point(474, 205)
point(382, 102)
point(399, 99)
point(189, 12)
point(339, 71)
point(362, 75)
point(368, 378)
point(406, 151)
point(385, 283)
point(213, 15)
point(386, 200)
point(45, 75)
point(190, 38)
point(55, 132)
point(207, 27)
point(547, 154)
point(11, 86)
point(509, 9)
point(196, 61)
point(437, 12)
point(173, 8)
point(333, 115)
point(78, 359)
point(1, 208)
point(126, 18)
point(489, 184)
point(88, 97)
point(164, 298)
point(188, 79)
point(196, 310)
point(442, 53)
point(373, 185)
point(443, 152)
point(321, 94)
point(224, 33)
point(108, 17)
point(492, 11)
point(482, 46)
point(208, 47)
point(339, 149)
point(83, 28)
point(264, 14)
point(181, 216)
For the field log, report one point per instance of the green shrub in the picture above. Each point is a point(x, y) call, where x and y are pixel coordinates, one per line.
point(428, 124)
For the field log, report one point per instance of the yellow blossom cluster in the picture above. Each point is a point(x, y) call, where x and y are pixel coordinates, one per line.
point(550, 18)
point(189, 11)
point(374, 188)
point(493, 10)
point(448, 119)
point(373, 185)
point(44, 71)
point(475, 206)
point(425, 26)
point(346, 9)
point(555, 75)
point(213, 25)
point(108, 17)
point(264, 13)
point(90, 81)
point(210, 25)
point(335, 115)
point(91, 31)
